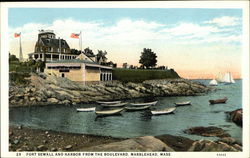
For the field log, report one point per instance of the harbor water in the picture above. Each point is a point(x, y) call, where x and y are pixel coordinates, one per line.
point(139, 123)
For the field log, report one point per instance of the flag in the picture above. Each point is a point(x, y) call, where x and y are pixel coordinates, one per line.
point(74, 35)
point(17, 35)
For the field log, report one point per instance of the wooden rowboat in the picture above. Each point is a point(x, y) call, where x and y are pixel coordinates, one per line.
point(183, 103)
point(85, 109)
point(218, 101)
point(108, 102)
point(143, 104)
point(114, 105)
point(137, 108)
point(108, 112)
point(164, 111)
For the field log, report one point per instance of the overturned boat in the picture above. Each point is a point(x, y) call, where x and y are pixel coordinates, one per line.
point(163, 111)
point(109, 102)
point(183, 103)
point(114, 105)
point(144, 104)
point(134, 108)
point(85, 109)
point(108, 112)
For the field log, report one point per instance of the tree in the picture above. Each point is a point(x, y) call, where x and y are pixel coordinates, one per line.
point(148, 58)
point(75, 51)
point(101, 55)
point(88, 52)
point(125, 65)
point(12, 57)
point(40, 66)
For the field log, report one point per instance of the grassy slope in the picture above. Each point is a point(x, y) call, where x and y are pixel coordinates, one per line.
point(139, 75)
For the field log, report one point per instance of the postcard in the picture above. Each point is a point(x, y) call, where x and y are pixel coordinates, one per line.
point(125, 79)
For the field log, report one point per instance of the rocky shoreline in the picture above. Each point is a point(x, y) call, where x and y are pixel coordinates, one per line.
point(45, 90)
point(28, 139)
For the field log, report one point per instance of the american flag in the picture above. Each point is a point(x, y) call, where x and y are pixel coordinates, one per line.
point(74, 35)
point(17, 35)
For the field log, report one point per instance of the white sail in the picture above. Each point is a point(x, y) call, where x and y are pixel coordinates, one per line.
point(228, 78)
point(213, 83)
point(219, 77)
point(231, 78)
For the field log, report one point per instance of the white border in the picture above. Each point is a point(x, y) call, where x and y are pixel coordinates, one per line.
point(126, 4)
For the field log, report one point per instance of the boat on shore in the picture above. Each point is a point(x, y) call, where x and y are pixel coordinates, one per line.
point(135, 108)
point(218, 101)
point(108, 112)
point(114, 105)
point(163, 111)
point(144, 104)
point(183, 103)
point(109, 102)
point(85, 109)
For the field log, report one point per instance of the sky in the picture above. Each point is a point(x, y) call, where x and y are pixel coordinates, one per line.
point(197, 43)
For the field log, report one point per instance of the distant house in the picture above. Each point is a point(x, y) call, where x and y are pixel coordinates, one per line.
point(50, 48)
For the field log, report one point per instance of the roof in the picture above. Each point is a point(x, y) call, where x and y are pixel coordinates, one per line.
point(88, 63)
point(54, 42)
point(72, 61)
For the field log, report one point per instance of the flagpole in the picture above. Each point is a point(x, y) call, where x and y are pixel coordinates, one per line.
point(80, 41)
point(20, 51)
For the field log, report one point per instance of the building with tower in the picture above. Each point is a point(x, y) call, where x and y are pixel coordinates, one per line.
point(50, 48)
point(61, 62)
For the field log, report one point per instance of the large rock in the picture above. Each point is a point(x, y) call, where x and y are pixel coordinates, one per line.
point(236, 116)
point(207, 145)
point(52, 100)
point(146, 143)
point(177, 143)
point(207, 131)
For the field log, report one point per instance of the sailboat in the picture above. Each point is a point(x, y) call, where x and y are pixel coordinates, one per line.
point(219, 77)
point(213, 83)
point(228, 78)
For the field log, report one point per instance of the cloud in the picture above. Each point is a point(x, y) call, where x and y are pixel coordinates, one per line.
point(224, 21)
point(124, 34)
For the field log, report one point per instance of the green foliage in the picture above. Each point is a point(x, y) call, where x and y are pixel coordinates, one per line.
point(148, 58)
point(19, 78)
point(13, 58)
point(75, 51)
point(101, 54)
point(139, 75)
point(20, 71)
point(88, 52)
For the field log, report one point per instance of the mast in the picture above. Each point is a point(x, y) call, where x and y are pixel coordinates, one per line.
point(20, 50)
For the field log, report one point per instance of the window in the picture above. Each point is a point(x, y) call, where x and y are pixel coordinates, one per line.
point(64, 70)
point(63, 75)
point(47, 40)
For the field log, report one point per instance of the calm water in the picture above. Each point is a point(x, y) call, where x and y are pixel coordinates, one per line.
point(133, 124)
